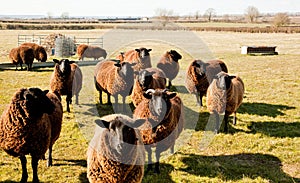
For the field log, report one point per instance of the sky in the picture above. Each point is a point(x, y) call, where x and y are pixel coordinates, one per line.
point(134, 8)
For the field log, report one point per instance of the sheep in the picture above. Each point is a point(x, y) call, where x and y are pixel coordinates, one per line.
point(90, 51)
point(120, 56)
point(168, 63)
point(146, 79)
point(116, 152)
point(114, 78)
point(66, 79)
point(199, 74)
point(225, 94)
point(40, 53)
point(25, 127)
point(56, 122)
point(164, 116)
point(22, 55)
point(141, 56)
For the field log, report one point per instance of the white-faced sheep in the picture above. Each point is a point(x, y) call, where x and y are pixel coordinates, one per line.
point(56, 122)
point(199, 74)
point(168, 63)
point(140, 56)
point(40, 53)
point(147, 79)
point(25, 127)
point(116, 153)
point(66, 79)
point(163, 112)
point(225, 95)
point(114, 78)
point(90, 51)
point(22, 55)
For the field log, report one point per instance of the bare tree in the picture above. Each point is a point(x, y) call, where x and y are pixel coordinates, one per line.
point(281, 19)
point(197, 15)
point(164, 15)
point(49, 15)
point(209, 13)
point(64, 15)
point(251, 14)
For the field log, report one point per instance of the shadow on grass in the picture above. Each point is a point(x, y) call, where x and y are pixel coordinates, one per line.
point(263, 109)
point(236, 167)
point(276, 129)
point(83, 178)
point(69, 162)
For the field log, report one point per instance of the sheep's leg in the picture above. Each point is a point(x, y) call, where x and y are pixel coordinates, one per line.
point(116, 108)
point(234, 118)
point(108, 99)
point(215, 113)
point(172, 149)
point(100, 97)
point(157, 155)
point(170, 84)
point(24, 169)
point(201, 96)
point(49, 161)
point(69, 101)
point(226, 122)
point(77, 101)
point(149, 152)
point(34, 165)
point(123, 103)
point(21, 66)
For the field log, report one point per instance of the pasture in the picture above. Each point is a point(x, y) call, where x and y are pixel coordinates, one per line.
point(264, 146)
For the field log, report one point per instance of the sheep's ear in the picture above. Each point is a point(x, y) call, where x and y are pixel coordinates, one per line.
point(45, 92)
point(71, 62)
point(55, 61)
point(172, 95)
point(117, 65)
point(147, 95)
point(138, 50)
point(232, 77)
point(133, 64)
point(138, 123)
point(149, 50)
point(102, 123)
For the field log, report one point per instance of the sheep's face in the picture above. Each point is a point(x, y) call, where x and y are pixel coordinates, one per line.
point(42, 55)
point(223, 80)
point(63, 66)
point(175, 55)
point(159, 102)
point(125, 69)
point(145, 78)
point(36, 102)
point(143, 52)
point(199, 68)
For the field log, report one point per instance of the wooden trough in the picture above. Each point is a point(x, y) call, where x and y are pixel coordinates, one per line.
point(264, 50)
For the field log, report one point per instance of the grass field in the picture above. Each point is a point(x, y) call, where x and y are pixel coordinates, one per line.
point(264, 146)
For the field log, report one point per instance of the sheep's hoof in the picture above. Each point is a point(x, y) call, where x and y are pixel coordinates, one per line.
point(149, 168)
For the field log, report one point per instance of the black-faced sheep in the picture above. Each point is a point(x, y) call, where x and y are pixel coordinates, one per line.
point(140, 56)
point(56, 122)
point(116, 153)
point(40, 53)
point(168, 63)
point(90, 51)
point(114, 78)
point(199, 75)
point(163, 112)
point(225, 95)
point(25, 127)
point(147, 79)
point(66, 79)
point(22, 55)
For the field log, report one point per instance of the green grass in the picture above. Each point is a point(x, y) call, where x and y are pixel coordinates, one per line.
point(264, 146)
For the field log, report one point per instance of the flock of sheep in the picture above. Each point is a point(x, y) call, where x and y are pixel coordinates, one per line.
point(32, 122)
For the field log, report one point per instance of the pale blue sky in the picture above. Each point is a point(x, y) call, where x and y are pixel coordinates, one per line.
point(141, 7)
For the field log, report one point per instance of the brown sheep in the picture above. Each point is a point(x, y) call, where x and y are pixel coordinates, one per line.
point(140, 56)
point(40, 53)
point(114, 78)
point(22, 55)
point(225, 95)
point(116, 153)
point(66, 79)
point(147, 79)
point(164, 116)
point(199, 75)
point(25, 127)
point(90, 51)
point(169, 64)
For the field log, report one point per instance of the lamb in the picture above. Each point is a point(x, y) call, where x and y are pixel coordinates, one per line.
point(66, 79)
point(90, 51)
point(25, 127)
point(40, 53)
point(163, 112)
point(56, 122)
point(116, 152)
point(147, 79)
point(225, 95)
point(114, 78)
point(141, 56)
point(199, 74)
point(22, 55)
point(169, 65)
